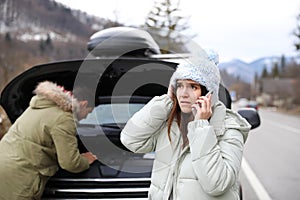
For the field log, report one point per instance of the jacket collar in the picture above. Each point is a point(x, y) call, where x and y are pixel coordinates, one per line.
point(217, 118)
point(57, 94)
point(224, 118)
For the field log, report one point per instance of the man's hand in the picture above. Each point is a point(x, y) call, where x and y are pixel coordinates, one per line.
point(91, 157)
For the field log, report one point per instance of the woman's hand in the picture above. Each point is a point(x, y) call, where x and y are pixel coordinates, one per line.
point(202, 108)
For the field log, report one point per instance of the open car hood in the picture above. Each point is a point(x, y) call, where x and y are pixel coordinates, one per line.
point(142, 77)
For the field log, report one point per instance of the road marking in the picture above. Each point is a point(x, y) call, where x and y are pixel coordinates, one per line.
point(290, 129)
point(258, 188)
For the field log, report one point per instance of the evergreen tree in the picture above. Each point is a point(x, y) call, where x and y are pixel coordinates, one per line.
point(48, 41)
point(275, 70)
point(264, 73)
point(297, 34)
point(282, 63)
point(166, 24)
point(255, 77)
point(8, 37)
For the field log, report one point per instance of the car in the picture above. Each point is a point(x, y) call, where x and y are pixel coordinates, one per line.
point(123, 83)
point(252, 104)
point(242, 102)
point(245, 103)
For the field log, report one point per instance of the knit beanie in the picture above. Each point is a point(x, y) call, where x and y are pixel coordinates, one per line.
point(201, 69)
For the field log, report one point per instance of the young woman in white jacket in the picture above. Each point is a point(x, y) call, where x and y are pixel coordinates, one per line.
point(198, 142)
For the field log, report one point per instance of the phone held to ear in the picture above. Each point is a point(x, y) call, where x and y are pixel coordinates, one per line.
point(194, 110)
point(210, 92)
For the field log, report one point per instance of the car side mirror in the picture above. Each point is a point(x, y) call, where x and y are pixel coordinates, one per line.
point(251, 115)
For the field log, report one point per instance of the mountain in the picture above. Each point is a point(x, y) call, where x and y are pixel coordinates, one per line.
point(246, 71)
point(33, 32)
point(238, 68)
point(39, 19)
point(269, 62)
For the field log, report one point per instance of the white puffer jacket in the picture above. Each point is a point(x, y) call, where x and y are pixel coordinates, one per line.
point(207, 169)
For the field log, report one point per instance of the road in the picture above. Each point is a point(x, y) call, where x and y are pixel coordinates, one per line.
point(271, 166)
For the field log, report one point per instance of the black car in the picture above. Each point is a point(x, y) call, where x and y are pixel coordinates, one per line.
point(122, 83)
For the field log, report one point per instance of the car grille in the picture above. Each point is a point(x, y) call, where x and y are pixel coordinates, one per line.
point(102, 188)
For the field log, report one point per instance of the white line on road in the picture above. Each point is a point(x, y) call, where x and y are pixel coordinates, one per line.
point(288, 128)
point(259, 189)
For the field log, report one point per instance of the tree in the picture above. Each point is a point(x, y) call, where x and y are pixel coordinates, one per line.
point(255, 77)
point(48, 41)
point(275, 70)
point(297, 34)
point(167, 25)
point(8, 37)
point(264, 73)
point(282, 63)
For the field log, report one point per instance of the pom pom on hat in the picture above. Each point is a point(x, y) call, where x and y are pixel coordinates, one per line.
point(203, 70)
point(212, 55)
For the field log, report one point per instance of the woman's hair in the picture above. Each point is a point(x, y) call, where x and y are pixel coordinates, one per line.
point(176, 113)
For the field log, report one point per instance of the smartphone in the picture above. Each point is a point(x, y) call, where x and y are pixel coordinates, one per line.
point(209, 92)
point(194, 111)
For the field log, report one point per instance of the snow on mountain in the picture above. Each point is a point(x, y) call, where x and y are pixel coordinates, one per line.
point(269, 62)
point(247, 71)
point(238, 68)
point(34, 20)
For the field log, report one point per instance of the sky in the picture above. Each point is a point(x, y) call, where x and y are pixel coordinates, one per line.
point(236, 29)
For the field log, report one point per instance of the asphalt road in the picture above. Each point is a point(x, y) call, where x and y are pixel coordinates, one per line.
point(271, 166)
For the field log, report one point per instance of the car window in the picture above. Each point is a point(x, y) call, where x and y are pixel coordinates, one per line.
point(110, 151)
point(116, 113)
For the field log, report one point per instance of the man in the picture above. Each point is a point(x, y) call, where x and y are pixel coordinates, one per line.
point(41, 140)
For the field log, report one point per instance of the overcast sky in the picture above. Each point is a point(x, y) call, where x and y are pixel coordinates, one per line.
point(246, 30)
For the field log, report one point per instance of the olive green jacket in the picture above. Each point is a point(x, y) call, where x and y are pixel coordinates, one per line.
point(42, 139)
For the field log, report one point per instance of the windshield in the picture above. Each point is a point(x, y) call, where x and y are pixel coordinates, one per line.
point(105, 143)
point(117, 113)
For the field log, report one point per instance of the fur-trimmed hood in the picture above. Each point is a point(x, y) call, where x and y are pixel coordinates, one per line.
point(57, 94)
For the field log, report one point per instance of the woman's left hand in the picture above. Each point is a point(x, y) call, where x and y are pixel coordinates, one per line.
point(202, 107)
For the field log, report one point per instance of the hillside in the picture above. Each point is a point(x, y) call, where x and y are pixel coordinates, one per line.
point(247, 71)
point(38, 31)
point(31, 19)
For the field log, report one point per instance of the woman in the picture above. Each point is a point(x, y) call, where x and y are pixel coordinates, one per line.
point(41, 140)
point(198, 143)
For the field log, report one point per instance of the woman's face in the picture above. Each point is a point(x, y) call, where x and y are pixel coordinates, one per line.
point(187, 92)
